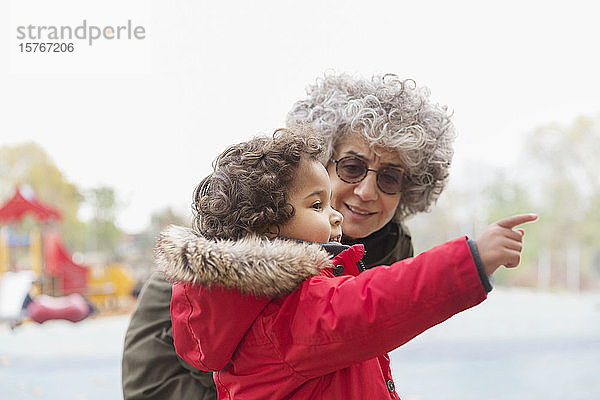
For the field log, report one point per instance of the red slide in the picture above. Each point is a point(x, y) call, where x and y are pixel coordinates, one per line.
point(71, 277)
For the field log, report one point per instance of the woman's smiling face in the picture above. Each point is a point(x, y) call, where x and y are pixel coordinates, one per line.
point(365, 208)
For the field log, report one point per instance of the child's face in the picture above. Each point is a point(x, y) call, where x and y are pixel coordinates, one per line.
point(314, 220)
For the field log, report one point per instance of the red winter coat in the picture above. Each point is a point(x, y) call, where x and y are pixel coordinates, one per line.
point(295, 333)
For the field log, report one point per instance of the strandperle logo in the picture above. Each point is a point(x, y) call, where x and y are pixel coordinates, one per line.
point(84, 31)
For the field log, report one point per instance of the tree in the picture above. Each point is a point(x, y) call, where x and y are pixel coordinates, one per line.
point(560, 167)
point(103, 233)
point(29, 164)
point(557, 178)
point(140, 255)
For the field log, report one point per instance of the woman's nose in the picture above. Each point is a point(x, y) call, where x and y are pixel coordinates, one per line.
point(367, 188)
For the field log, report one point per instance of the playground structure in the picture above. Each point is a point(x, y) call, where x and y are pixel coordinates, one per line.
point(42, 254)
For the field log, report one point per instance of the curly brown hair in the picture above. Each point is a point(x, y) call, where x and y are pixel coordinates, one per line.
point(247, 192)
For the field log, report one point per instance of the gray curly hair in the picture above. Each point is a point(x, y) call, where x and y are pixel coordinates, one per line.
point(391, 114)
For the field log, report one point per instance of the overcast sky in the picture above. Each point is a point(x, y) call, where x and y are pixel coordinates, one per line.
point(148, 116)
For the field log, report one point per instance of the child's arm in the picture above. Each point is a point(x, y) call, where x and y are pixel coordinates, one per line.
point(344, 320)
point(336, 322)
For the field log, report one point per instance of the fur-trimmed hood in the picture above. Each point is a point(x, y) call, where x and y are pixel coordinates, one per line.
point(253, 265)
point(260, 270)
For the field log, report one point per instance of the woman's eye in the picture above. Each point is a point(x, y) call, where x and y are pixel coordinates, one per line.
point(353, 169)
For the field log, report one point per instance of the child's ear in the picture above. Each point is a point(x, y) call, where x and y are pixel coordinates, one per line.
point(272, 231)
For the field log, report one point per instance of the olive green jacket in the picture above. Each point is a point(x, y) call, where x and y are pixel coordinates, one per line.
point(150, 367)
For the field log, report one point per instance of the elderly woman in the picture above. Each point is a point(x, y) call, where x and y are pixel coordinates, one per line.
point(389, 147)
point(389, 151)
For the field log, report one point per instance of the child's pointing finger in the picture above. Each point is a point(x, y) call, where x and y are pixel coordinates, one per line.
point(512, 221)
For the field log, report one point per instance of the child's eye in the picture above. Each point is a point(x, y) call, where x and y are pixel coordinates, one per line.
point(317, 205)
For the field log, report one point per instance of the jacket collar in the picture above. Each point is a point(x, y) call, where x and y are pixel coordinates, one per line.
point(253, 265)
point(351, 259)
point(377, 243)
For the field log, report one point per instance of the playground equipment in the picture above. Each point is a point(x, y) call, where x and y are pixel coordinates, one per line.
point(55, 272)
point(72, 308)
point(54, 276)
point(109, 284)
point(14, 288)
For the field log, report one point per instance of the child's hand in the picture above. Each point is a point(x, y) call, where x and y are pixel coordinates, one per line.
point(500, 244)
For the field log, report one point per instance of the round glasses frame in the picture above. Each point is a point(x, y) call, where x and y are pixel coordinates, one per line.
point(378, 173)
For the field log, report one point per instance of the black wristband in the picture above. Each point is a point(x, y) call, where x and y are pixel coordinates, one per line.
point(486, 280)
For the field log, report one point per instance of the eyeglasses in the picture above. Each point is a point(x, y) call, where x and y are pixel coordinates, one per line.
point(353, 170)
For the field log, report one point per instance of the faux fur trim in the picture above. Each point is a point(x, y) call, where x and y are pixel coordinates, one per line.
point(253, 265)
